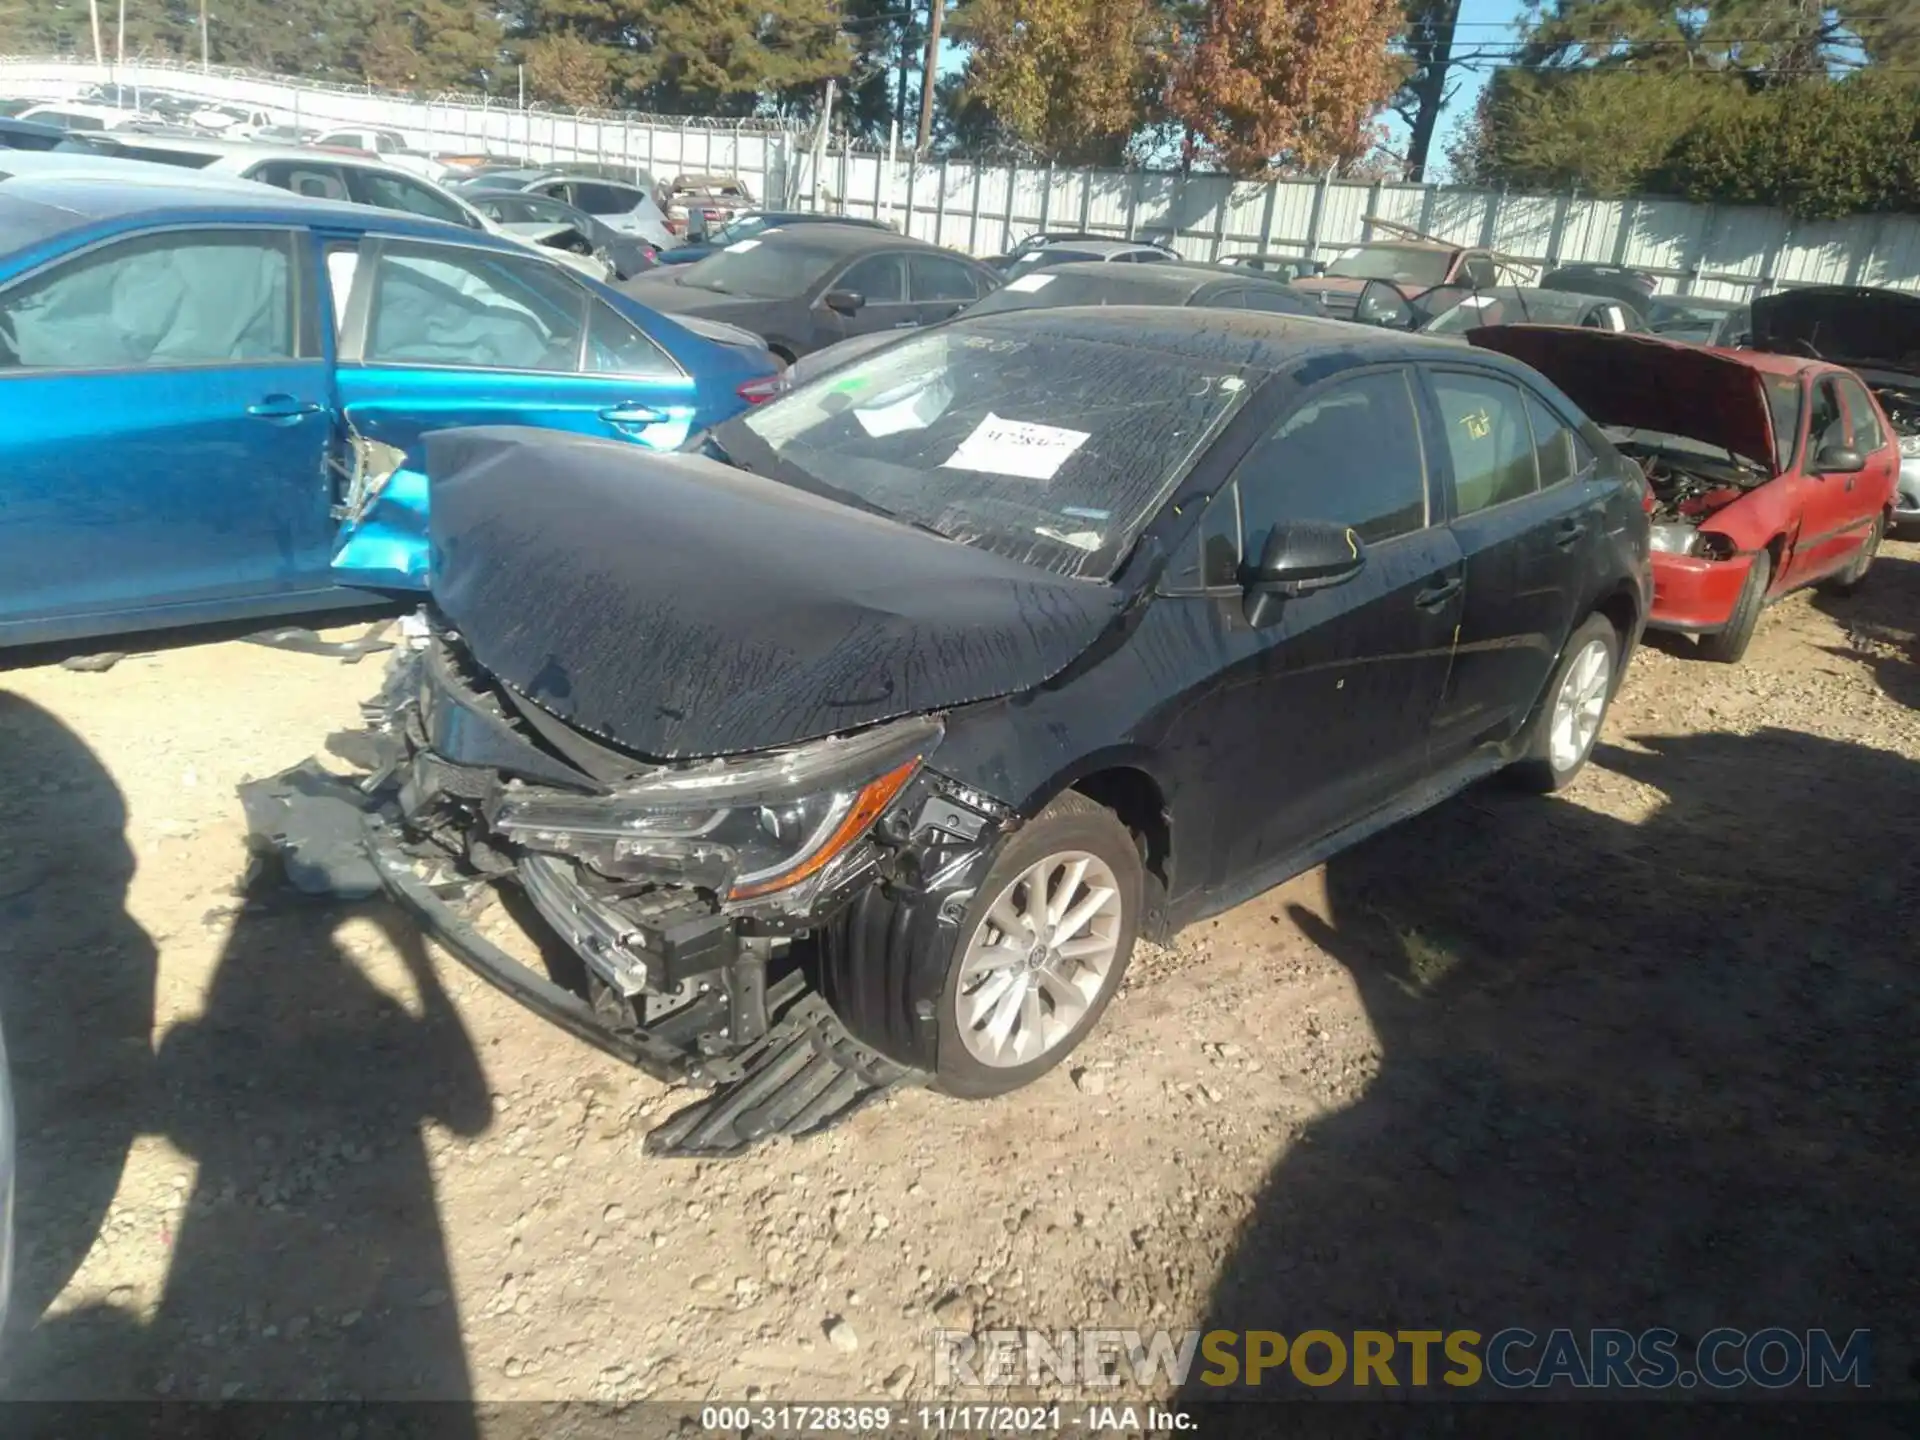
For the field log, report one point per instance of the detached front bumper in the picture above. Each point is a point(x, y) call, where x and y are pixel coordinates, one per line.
point(1696, 596)
point(657, 975)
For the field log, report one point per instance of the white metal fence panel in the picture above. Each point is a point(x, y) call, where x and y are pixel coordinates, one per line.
point(981, 208)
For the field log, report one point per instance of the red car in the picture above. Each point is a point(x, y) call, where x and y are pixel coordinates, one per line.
point(1765, 473)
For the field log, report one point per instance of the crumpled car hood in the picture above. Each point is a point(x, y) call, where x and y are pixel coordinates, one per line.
point(679, 608)
point(1847, 324)
point(1641, 382)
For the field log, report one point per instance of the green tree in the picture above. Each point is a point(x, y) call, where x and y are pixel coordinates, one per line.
point(563, 69)
point(700, 56)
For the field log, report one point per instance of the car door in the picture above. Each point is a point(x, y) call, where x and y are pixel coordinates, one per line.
point(438, 334)
point(1830, 505)
point(1873, 487)
point(881, 282)
point(939, 287)
point(1321, 716)
point(163, 425)
point(1527, 506)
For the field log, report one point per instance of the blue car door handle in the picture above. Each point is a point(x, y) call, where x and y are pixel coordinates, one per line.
point(632, 415)
point(282, 407)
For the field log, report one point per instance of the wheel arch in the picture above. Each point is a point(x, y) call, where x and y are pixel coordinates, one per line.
point(1127, 782)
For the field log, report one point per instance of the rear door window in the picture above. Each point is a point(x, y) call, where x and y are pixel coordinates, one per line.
point(453, 306)
point(1553, 444)
point(1484, 424)
point(935, 277)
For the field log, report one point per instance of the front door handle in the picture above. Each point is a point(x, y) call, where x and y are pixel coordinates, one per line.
point(282, 407)
point(632, 415)
point(1436, 597)
point(1569, 533)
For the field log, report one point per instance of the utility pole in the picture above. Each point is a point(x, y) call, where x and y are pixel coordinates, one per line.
point(205, 67)
point(120, 38)
point(820, 143)
point(935, 10)
point(99, 52)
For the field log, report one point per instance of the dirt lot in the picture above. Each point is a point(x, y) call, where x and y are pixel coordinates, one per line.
point(1642, 1055)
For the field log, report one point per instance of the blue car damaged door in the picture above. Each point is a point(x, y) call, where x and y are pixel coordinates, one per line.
point(163, 432)
point(437, 334)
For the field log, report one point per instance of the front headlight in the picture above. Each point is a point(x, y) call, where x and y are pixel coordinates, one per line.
point(1675, 539)
point(743, 828)
point(1910, 447)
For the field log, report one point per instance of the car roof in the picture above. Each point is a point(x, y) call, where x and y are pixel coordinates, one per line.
point(1768, 362)
point(1102, 247)
point(85, 107)
point(1171, 276)
point(1239, 337)
point(171, 198)
point(835, 238)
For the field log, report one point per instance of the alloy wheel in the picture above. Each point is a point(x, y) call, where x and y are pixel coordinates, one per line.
point(1581, 703)
point(1038, 959)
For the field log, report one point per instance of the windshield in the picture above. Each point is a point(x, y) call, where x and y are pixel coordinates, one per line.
point(745, 228)
point(1545, 308)
point(1681, 320)
point(1402, 264)
point(1048, 448)
point(769, 272)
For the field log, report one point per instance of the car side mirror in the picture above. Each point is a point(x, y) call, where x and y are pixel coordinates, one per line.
point(1385, 304)
point(843, 302)
point(1298, 559)
point(1838, 460)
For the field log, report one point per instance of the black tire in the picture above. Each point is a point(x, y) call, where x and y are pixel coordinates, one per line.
point(1855, 575)
point(1728, 646)
point(1071, 822)
point(1538, 770)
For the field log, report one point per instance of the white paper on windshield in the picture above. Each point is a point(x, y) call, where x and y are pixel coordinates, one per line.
point(1016, 448)
point(1027, 284)
point(1476, 302)
point(740, 247)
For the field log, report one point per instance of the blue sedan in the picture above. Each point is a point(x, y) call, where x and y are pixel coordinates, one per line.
point(213, 402)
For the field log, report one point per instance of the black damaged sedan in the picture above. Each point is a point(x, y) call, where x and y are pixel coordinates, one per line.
point(858, 747)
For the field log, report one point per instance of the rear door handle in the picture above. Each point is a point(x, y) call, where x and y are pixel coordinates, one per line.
point(1437, 597)
point(1569, 533)
point(908, 325)
point(631, 415)
point(282, 407)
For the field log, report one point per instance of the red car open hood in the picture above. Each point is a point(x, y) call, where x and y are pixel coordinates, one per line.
point(1642, 382)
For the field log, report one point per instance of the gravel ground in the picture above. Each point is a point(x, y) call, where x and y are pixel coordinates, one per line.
point(1642, 1054)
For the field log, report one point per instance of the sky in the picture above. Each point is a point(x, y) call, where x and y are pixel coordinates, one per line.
point(1485, 24)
